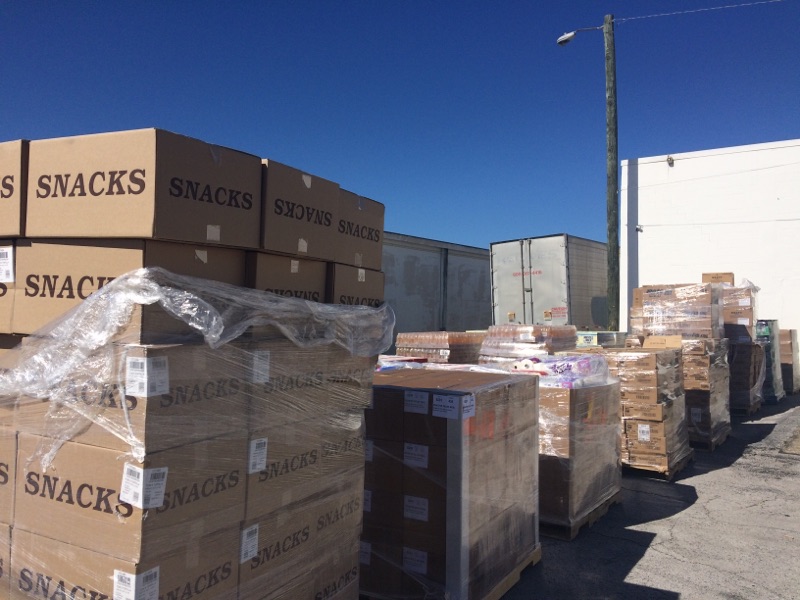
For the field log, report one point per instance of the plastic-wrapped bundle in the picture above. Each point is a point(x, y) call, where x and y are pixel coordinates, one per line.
point(514, 341)
point(565, 371)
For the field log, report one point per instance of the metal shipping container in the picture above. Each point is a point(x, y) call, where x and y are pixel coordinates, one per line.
point(436, 286)
point(550, 280)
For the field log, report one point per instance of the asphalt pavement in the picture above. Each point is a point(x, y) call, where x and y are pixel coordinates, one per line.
point(726, 527)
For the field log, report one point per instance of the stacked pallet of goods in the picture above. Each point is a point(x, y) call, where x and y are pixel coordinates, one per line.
point(453, 347)
point(175, 430)
point(746, 357)
point(579, 456)
point(790, 361)
point(451, 490)
point(768, 337)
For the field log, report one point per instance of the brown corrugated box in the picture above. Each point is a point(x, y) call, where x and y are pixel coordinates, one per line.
point(287, 275)
point(8, 472)
point(157, 397)
point(90, 495)
point(8, 284)
point(145, 183)
point(56, 275)
point(43, 567)
point(300, 212)
point(718, 278)
point(5, 560)
point(354, 285)
point(359, 231)
point(13, 187)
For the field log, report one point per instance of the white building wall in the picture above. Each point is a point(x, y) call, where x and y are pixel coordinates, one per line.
point(731, 209)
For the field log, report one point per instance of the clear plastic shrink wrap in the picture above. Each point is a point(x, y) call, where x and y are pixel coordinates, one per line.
point(451, 492)
point(579, 432)
point(225, 459)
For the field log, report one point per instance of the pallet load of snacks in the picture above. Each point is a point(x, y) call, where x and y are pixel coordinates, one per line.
point(224, 455)
point(580, 472)
point(453, 347)
point(790, 361)
point(451, 485)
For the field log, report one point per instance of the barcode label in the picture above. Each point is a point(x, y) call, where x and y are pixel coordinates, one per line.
point(147, 376)
point(143, 488)
point(258, 456)
point(261, 360)
point(144, 586)
point(249, 544)
point(6, 264)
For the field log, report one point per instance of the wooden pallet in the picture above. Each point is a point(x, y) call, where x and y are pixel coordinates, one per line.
point(669, 473)
point(746, 411)
point(513, 578)
point(712, 443)
point(569, 532)
point(501, 588)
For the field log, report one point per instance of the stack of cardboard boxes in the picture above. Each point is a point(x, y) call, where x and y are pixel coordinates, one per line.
point(768, 336)
point(706, 380)
point(654, 433)
point(454, 347)
point(157, 465)
point(790, 361)
point(746, 356)
point(451, 500)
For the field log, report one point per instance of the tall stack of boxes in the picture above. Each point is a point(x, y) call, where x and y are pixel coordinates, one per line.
point(746, 356)
point(706, 379)
point(450, 504)
point(168, 465)
point(654, 434)
point(790, 361)
point(768, 336)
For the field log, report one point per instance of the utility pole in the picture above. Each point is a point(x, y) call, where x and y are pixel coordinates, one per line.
point(612, 175)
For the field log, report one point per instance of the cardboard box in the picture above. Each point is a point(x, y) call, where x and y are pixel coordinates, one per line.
point(383, 465)
point(8, 472)
point(300, 212)
point(56, 275)
point(384, 416)
point(354, 286)
point(146, 397)
point(145, 183)
point(287, 276)
point(299, 539)
point(128, 509)
point(359, 232)
point(13, 187)
point(5, 561)
point(383, 508)
point(381, 559)
point(8, 284)
point(43, 567)
point(651, 436)
point(647, 411)
point(718, 278)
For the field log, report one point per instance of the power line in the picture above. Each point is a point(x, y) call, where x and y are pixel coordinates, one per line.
point(696, 10)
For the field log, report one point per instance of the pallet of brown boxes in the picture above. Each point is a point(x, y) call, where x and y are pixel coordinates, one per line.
point(451, 487)
point(579, 422)
point(225, 457)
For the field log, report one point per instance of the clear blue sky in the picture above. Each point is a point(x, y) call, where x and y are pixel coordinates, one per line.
point(463, 117)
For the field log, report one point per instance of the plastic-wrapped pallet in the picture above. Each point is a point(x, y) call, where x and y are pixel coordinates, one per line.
point(689, 310)
point(513, 342)
point(768, 336)
point(790, 361)
point(228, 458)
point(455, 347)
point(451, 498)
point(706, 379)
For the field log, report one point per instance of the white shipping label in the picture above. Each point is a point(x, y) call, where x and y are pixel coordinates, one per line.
point(415, 508)
point(743, 321)
point(294, 266)
point(257, 461)
point(415, 402)
point(213, 233)
point(362, 276)
point(146, 377)
point(415, 561)
point(302, 246)
point(248, 548)
point(260, 366)
point(144, 586)
point(744, 301)
point(644, 432)
point(415, 455)
point(367, 501)
point(449, 406)
point(697, 414)
point(365, 553)
point(6, 264)
point(143, 488)
point(369, 449)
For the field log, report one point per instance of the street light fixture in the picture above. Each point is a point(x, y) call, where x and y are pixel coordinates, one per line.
point(612, 162)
